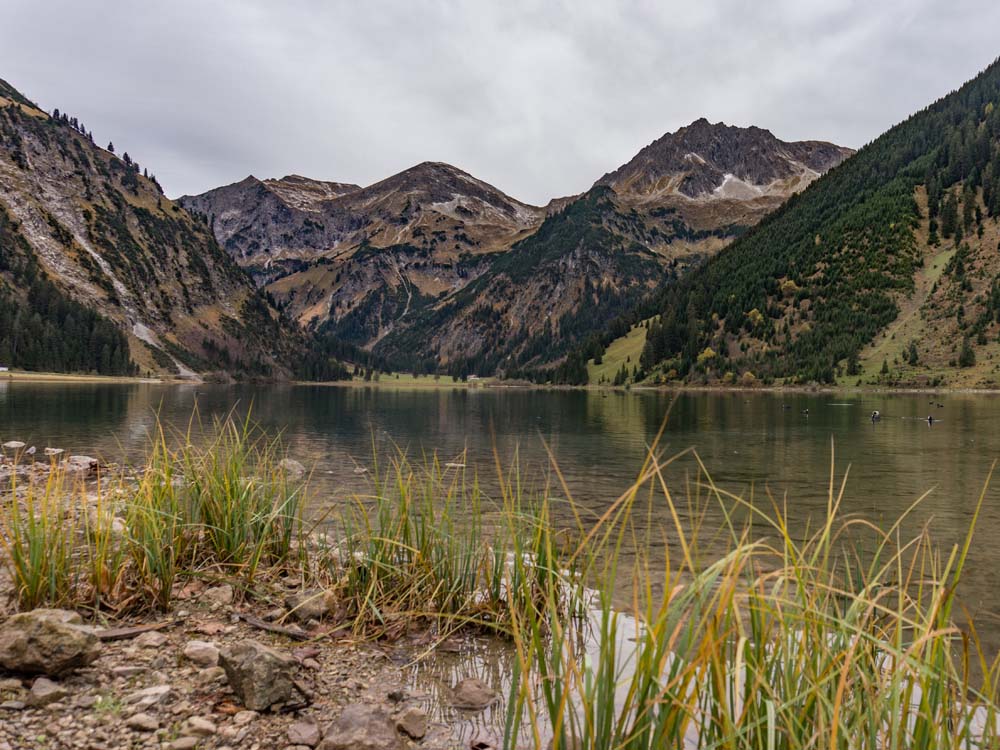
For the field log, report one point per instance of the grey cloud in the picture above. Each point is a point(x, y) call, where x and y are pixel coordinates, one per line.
point(538, 98)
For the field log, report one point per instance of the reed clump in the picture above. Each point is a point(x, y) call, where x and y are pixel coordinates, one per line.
point(219, 504)
point(223, 507)
point(846, 638)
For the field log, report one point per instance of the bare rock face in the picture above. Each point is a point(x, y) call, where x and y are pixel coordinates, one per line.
point(706, 160)
point(50, 642)
point(362, 727)
point(260, 676)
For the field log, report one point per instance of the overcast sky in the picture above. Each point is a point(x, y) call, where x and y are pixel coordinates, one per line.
point(537, 98)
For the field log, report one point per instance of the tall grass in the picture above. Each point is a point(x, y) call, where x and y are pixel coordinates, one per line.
point(223, 506)
point(843, 639)
point(37, 538)
point(427, 544)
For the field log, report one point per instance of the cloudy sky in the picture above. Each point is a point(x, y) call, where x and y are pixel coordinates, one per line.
point(538, 98)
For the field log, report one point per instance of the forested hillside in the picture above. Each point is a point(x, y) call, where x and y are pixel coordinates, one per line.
point(801, 295)
point(100, 272)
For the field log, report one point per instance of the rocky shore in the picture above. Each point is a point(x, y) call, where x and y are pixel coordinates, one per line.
point(274, 667)
point(217, 674)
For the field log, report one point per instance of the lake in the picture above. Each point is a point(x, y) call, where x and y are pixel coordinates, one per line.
point(749, 441)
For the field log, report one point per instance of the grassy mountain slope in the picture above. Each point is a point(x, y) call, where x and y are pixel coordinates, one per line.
point(804, 293)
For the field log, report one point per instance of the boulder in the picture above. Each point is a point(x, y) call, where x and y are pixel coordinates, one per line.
point(473, 694)
point(47, 641)
point(362, 727)
point(260, 676)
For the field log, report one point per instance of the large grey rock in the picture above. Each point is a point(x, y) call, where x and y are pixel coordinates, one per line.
point(260, 676)
point(47, 641)
point(473, 694)
point(362, 727)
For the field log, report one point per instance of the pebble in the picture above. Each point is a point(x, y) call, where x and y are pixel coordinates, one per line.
point(143, 722)
point(44, 691)
point(185, 743)
point(202, 653)
point(304, 733)
point(150, 696)
point(242, 718)
point(201, 726)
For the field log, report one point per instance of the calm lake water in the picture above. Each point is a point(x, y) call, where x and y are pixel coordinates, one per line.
point(749, 442)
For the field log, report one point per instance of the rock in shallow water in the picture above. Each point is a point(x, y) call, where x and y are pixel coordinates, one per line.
point(473, 694)
point(47, 641)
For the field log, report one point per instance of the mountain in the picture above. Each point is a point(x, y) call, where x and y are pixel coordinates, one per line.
point(596, 256)
point(279, 226)
point(527, 306)
point(435, 267)
point(100, 272)
point(884, 270)
point(717, 177)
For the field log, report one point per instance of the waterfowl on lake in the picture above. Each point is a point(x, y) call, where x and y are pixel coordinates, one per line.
point(930, 419)
point(876, 416)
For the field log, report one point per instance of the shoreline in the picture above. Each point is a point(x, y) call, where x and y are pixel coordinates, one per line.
point(411, 383)
point(66, 377)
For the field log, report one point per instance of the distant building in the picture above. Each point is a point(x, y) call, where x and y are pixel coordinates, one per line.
point(4, 368)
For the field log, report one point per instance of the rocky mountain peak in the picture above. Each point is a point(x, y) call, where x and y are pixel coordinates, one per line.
point(707, 160)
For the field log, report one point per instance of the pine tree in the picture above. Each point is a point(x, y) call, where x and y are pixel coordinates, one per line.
point(967, 357)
